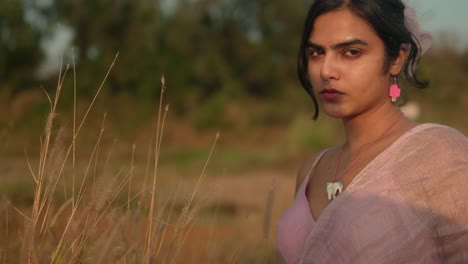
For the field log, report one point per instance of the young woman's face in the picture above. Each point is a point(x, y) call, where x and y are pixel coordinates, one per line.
point(346, 62)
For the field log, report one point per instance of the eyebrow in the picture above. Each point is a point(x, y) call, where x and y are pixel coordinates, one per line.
point(341, 45)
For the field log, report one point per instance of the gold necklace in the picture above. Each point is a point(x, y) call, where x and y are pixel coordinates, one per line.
point(336, 187)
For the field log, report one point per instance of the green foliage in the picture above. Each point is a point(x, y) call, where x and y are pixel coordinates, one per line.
point(211, 113)
point(203, 47)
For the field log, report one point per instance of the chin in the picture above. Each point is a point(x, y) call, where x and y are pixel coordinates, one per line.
point(341, 115)
point(338, 116)
point(341, 111)
point(336, 113)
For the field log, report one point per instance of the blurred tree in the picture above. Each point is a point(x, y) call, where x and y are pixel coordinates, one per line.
point(20, 51)
point(238, 46)
point(104, 27)
point(205, 47)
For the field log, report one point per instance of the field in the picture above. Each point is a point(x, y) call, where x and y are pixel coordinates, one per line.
point(168, 197)
point(231, 219)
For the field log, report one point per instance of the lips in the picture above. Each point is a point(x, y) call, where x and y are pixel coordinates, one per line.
point(330, 94)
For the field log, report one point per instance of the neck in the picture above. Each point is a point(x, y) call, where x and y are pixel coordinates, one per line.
point(367, 127)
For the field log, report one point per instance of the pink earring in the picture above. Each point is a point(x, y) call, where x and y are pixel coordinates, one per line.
point(395, 91)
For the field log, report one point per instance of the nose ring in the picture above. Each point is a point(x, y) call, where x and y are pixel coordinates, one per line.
point(327, 81)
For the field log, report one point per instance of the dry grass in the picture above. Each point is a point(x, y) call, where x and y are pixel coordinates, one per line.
point(84, 210)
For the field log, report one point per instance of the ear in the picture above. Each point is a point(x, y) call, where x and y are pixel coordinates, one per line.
point(400, 60)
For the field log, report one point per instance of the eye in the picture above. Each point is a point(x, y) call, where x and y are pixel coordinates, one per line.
point(352, 52)
point(313, 53)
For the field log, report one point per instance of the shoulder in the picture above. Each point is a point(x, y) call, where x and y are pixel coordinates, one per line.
point(441, 137)
point(434, 147)
point(438, 129)
point(307, 165)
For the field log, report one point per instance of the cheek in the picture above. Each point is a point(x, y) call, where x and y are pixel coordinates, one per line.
point(314, 74)
point(372, 83)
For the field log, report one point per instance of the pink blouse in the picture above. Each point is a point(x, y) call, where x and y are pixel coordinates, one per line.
point(408, 205)
point(297, 222)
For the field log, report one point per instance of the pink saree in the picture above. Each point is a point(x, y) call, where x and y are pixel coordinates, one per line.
point(408, 205)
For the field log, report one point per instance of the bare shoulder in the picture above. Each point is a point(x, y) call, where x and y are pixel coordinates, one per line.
point(306, 168)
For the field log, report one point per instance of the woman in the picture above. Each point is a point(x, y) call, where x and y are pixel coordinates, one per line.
point(395, 191)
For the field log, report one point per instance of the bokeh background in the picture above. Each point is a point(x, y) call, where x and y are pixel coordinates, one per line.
point(228, 67)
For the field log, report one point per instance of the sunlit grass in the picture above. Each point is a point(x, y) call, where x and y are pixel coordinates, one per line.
point(81, 204)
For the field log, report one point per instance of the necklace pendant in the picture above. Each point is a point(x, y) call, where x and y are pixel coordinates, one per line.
point(333, 189)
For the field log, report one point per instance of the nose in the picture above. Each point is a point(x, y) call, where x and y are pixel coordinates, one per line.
point(329, 68)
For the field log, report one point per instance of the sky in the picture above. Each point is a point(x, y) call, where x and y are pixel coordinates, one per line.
point(444, 16)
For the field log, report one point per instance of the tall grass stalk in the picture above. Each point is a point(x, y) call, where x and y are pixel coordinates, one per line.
point(74, 128)
point(72, 147)
point(93, 223)
point(157, 148)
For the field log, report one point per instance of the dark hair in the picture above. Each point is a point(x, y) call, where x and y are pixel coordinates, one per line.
point(386, 17)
